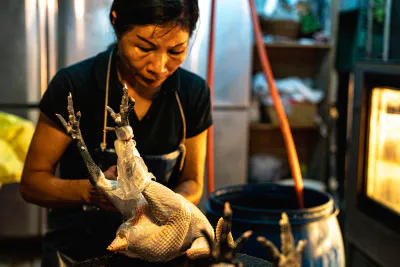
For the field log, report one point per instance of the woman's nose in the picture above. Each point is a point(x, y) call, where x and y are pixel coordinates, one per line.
point(158, 65)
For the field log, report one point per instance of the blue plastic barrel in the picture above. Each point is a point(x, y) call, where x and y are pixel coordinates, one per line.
point(258, 207)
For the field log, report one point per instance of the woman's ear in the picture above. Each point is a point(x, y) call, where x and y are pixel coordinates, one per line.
point(114, 17)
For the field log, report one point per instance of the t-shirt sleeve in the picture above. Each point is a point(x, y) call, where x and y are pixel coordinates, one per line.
point(201, 114)
point(55, 98)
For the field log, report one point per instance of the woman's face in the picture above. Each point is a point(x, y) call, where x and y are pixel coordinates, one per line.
point(152, 53)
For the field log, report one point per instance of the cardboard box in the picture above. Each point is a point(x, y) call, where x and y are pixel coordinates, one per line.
point(299, 114)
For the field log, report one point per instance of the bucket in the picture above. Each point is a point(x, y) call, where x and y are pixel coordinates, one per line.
point(259, 207)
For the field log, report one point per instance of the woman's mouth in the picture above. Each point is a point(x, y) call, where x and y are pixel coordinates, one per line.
point(152, 82)
point(149, 81)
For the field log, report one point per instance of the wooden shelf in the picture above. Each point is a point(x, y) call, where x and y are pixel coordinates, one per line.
point(293, 59)
point(268, 139)
point(287, 58)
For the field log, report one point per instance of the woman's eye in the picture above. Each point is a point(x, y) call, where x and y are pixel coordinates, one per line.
point(176, 52)
point(144, 49)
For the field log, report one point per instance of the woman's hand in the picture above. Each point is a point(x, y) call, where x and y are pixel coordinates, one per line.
point(95, 196)
point(111, 173)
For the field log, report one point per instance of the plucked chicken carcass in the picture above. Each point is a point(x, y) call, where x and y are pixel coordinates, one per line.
point(161, 224)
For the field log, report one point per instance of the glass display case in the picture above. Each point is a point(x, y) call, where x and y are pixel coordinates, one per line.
point(373, 169)
point(383, 168)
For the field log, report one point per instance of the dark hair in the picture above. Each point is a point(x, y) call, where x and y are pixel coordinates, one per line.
point(130, 13)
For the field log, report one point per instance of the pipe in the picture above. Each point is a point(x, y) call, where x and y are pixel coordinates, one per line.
point(284, 124)
point(210, 81)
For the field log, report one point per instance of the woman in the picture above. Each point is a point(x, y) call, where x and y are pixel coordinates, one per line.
point(170, 121)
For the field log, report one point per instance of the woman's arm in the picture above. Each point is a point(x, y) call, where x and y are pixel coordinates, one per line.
point(39, 185)
point(191, 184)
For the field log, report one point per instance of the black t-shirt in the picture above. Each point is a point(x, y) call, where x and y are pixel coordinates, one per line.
point(159, 132)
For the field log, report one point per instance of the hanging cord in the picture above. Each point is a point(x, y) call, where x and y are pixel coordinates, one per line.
point(103, 145)
point(182, 145)
point(210, 81)
point(284, 124)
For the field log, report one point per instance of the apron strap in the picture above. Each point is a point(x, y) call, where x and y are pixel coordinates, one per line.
point(103, 145)
point(182, 145)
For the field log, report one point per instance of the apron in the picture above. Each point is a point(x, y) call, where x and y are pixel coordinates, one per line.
point(83, 236)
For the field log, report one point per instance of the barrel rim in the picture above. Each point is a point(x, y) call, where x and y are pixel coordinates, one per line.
point(310, 214)
point(294, 221)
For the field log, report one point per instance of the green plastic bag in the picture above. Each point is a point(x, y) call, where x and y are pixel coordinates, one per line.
point(15, 137)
